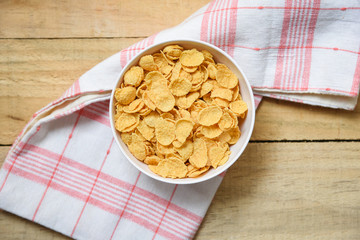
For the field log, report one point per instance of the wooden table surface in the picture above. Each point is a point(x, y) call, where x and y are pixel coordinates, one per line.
point(299, 177)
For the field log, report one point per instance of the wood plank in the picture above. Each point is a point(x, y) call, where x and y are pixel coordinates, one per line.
point(91, 18)
point(35, 72)
point(282, 120)
point(289, 191)
point(299, 191)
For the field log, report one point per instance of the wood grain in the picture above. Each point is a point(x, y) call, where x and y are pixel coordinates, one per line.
point(86, 19)
point(289, 191)
point(34, 72)
point(274, 191)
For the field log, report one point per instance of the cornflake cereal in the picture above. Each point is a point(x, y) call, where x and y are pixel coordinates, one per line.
point(178, 110)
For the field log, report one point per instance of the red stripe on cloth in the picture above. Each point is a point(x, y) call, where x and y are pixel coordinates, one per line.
point(135, 216)
point(96, 117)
point(283, 41)
point(175, 208)
point(59, 179)
point(67, 178)
point(225, 32)
point(97, 110)
point(287, 47)
point(232, 27)
point(37, 178)
point(217, 23)
point(158, 227)
point(106, 180)
point(61, 156)
point(309, 42)
point(211, 26)
point(17, 155)
point(77, 86)
point(205, 23)
point(287, 53)
point(123, 59)
point(122, 213)
point(101, 106)
point(115, 210)
point(151, 39)
point(208, 11)
point(294, 38)
point(222, 20)
point(304, 89)
point(356, 79)
point(257, 99)
point(92, 188)
point(270, 7)
point(298, 36)
point(300, 56)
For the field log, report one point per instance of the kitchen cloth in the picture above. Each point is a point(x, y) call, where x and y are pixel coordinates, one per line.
point(64, 170)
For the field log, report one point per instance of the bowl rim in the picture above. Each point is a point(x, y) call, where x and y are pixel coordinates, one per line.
point(179, 180)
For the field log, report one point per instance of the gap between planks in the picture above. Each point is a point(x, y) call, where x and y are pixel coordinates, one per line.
point(278, 141)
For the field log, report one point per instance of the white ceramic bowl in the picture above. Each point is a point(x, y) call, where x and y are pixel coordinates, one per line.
point(246, 126)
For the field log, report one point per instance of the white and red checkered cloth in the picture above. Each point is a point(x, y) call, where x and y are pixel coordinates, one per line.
point(65, 172)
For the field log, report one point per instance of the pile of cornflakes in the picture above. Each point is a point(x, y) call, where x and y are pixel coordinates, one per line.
point(178, 110)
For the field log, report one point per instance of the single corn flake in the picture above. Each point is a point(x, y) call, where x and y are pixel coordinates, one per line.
point(126, 137)
point(151, 119)
point(216, 154)
point(134, 76)
point(172, 168)
point(186, 149)
point(207, 55)
point(146, 131)
point(226, 121)
point(205, 88)
point(147, 63)
point(164, 149)
point(183, 128)
point(225, 77)
point(173, 52)
point(212, 70)
point(138, 149)
point(176, 71)
point(164, 131)
point(189, 69)
point(148, 101)
point(164, 100)
point(180, 87)
point(127, 122)
point(137, 137)
point(134, 107)
point(238, 107)
point(152, 160)
point(155, 79)
point(224, 137)
point(199, 157)
point(185, 102)
point(221, 102)
point(235, 134)
point(167, 115)
point(197, 172)
point(222, 93)
point(125, 95)
point(140, 90)
point(191, 58)
point(211, 131)
point(209, 116)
